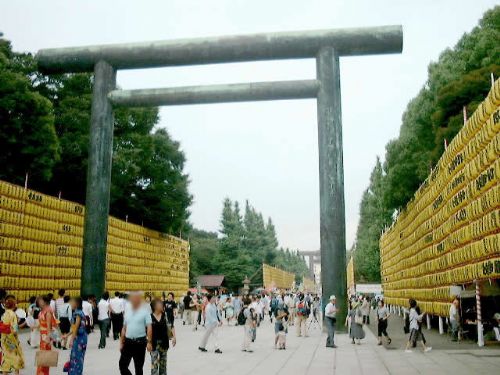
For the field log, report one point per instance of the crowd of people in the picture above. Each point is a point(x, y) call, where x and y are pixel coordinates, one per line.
point(144, 324)
point(65, 323)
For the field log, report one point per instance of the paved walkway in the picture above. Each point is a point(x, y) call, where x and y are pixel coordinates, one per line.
point(304, 356)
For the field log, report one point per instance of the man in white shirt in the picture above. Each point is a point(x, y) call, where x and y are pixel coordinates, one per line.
point(116, 309)
point(103, 319)
point(87, 311)
point(330, 320)
point(52, 302)
point(60, 303)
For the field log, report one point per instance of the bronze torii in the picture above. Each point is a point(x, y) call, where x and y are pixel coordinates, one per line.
point(326, 46)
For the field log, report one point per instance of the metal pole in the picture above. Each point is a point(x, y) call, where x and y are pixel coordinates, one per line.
point(331, 180)
point(479, 319)
point(98, 182)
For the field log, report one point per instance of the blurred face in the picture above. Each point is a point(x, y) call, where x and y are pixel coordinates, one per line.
point(170, 297)
point(10, 303)
point(158, 307)
point(72, 303)
point(41, 303)
point(380, 304)
point(136, 300)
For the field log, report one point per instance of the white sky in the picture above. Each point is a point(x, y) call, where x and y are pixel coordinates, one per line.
point(265, 152)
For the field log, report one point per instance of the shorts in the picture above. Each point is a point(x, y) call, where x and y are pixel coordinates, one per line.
point(382, 328)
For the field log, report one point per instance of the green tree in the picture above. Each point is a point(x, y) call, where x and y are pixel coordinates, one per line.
point(460, 78)
point(204, 251)
point(148, 182)
point(28, 140)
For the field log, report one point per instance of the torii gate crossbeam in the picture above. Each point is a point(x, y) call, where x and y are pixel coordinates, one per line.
point(326, 46)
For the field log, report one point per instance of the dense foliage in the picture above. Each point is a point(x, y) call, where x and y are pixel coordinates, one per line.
point(45, 133)
point(460, 78)
point(245, 243)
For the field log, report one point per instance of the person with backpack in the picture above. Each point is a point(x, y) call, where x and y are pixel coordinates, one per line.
point(246, 319)
point(280, 323)
point(302, 314)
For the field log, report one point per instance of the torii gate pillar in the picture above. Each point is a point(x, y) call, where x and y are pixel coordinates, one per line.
point(331, 180)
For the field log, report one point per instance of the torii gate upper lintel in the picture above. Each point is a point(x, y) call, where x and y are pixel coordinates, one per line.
point(326, 46)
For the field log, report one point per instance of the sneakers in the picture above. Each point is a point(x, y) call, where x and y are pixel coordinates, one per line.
point(379, 343)
point(408, 351)
point(428, 349)
point(218, 351)
point(202, 349)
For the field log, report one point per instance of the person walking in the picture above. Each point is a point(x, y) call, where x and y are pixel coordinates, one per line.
point(47, 321)
point(188, 308)
point(365, 310)
point(136, 336)
point(12, 354)
point(32, 320)
point(249, 325)
point(382, 322)
point(64, 314)
point(212, 322)
point(162, 328)
point(116, 313)
point(237, 305)
point(356, 317)
point(415, 333)
point(79, 338)
point(87, 311)
point(279, 324)
point(330, 320)
point(454, 319)
point(103, 319)
point(302, 311)
point(229, 310)
point(170, 308)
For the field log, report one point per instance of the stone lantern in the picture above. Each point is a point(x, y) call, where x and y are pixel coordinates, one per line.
point(246, 286)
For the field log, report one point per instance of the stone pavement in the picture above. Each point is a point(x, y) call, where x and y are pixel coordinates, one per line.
point(304, 356)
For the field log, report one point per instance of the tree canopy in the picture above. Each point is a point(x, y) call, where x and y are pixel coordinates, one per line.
point(460, 78)
point(45, 132)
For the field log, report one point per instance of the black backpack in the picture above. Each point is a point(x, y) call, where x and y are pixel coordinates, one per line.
point(241, 318)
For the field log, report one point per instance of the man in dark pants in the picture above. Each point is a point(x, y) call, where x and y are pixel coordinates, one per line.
point(136, 337)
point(330, 320)
point(103, 319)
point(116, 308)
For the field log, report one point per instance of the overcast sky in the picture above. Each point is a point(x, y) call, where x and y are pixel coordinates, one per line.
point(265, 152)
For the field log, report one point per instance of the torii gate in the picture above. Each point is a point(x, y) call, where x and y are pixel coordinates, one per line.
point(326, 46)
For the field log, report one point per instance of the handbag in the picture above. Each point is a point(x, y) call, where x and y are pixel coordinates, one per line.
point(46, 358)
point(358, 319)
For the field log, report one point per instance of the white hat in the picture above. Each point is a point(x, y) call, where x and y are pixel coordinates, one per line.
point(332, 297)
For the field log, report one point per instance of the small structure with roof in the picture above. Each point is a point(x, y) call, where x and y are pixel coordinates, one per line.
point(212, 283)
